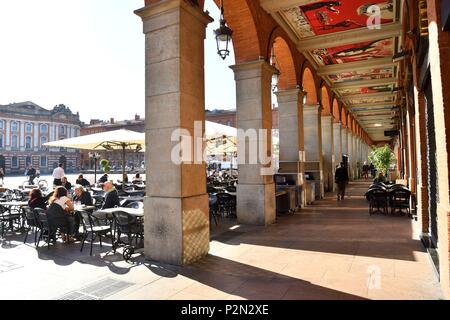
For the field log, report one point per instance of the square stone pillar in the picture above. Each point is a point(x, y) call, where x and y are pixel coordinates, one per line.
point(328, 156)
point(176, 206)
point(337, 135)
point(292, 143)
point(351, 155)
point(313, 145)
point(344, 135)
point(256, 188)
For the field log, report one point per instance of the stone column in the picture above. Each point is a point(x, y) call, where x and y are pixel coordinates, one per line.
point(337, 135)
point(351, 156)
point(176, 206)
point(313, 145)
point(8, 135)
point(292, 143)
point(344, 135)
point(328, 156)
point(256, 188)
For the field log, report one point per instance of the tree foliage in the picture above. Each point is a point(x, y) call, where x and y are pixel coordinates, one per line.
point(105, 166)
point(382, 158)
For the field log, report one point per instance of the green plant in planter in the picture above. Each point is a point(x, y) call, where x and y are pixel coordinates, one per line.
point(382, 158)
point(104, 164)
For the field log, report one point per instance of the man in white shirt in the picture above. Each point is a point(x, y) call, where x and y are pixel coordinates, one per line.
point(58, 174)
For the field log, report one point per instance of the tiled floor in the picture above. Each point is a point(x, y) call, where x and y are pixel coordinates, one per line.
point(332, 250)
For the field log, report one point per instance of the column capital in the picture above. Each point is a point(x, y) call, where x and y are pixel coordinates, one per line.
point(311, 108)
point(252, 69)
point(337, 125)
point(327, 117)
point(289, 95)
point(157, 8)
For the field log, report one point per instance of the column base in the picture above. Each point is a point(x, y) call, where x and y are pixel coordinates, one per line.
point(177, 229)
point(256, 204)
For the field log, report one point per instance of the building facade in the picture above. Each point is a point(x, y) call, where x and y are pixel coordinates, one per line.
point(229, 117)
point(134, 160)
point(25, 128)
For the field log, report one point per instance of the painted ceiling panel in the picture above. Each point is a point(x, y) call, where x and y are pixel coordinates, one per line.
point(378, 73)
point(325, 17)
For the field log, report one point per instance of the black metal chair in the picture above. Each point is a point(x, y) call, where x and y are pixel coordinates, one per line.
point(91, 226)
point(226, 204)
point(378, 201)
point(7, 219)
point(400, 201)
point(32, 223)
point(213, 208)
point(132, 227)
point(46, 233)
point(98, 201)
point(135, 205)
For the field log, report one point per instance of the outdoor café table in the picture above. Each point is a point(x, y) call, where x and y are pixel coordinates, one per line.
point(79, 208)
point(101, 214)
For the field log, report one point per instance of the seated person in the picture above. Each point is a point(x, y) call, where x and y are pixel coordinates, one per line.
point(111, 196)
point(137, 179)
point(37, 200)
point(381, 178)
point(82, 181)
point(82, 196)
point(103, 178)
point(60, 214)
point(66, 184)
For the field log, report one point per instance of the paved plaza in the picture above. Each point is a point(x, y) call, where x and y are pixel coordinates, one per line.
point(328, 251)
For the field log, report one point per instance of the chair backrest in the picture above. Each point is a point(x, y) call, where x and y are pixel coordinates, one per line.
point(86, 219)
point(42, 219)
point(231, 189)
point(402, 195)
point(136, 205)
point(29, 216)
point(213, 200)
point(124, 221)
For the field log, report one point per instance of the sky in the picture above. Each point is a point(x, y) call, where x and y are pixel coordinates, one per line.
point(89, 55)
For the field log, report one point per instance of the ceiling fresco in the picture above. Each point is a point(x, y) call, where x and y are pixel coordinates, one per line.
point(335, 38)
point(354, 52)
point(324, 17)
point(378, 73)
point(369, 101)
point(367, 90)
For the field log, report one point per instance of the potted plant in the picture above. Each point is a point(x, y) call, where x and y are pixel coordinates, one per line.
point(382, 158)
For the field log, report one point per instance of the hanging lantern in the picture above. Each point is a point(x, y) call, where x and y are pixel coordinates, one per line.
point(276, 75)
point(223, 35)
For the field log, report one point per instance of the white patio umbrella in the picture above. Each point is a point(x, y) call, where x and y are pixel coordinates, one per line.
point(135, 141)
point(110, 140)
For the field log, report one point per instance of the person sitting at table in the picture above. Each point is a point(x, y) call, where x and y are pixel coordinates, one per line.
point(66, 184)
point(381, 178)
point(60, 215)
point(37, 200)
point(82, 181)
point(137, 179)
point(103, 178)
point(82, 196)
point(111, 196)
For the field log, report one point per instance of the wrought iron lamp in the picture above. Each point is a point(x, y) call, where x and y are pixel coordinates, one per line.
point(223, 35)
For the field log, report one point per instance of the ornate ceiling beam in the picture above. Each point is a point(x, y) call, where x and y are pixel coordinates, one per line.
point(325, 41)
point(365, 83)
point(356, 66)
point(369, 95)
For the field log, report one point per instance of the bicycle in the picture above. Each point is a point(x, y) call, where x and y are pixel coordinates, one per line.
point(41, 183)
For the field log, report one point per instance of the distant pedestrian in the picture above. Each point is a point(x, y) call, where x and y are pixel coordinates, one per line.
point(31, 173)
point(58, 174)
point(2, 175)
point(341, 179)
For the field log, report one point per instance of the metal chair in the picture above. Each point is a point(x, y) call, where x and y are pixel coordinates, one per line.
point(31, 223)
point(45, 231)
point(135, 205)
point(401, 200)
point(213, 208)
point(90, 226)
point(378, 199)
point(7, 219)
point(132, 227)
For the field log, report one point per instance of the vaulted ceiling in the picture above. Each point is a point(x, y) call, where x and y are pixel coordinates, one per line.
point(355, 61)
